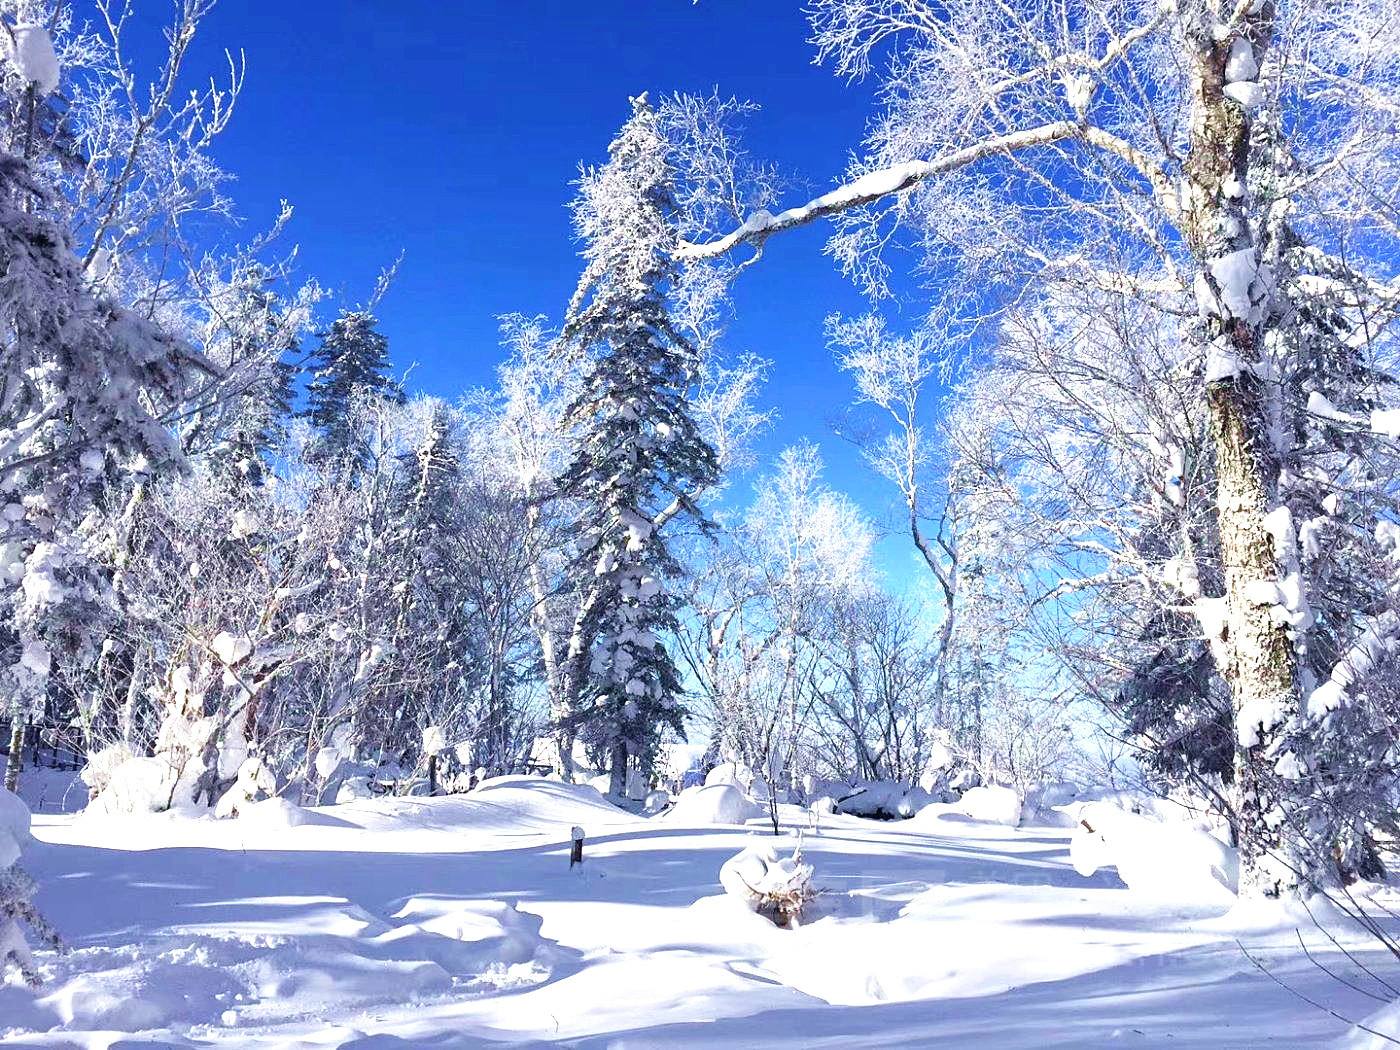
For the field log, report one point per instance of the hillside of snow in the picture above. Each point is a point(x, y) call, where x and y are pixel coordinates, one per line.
point(457, 922)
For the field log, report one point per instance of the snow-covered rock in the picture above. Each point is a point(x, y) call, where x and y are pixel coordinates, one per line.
point(882, 799)
point(992, 804)
point(713, 804)
point(1163, 859)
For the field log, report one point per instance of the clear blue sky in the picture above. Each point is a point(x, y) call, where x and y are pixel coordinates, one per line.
point(452, 130)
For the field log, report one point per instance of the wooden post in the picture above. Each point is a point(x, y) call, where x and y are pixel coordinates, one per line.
point(576, 853)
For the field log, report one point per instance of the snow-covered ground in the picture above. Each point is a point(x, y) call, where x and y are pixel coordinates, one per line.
point(456, 922)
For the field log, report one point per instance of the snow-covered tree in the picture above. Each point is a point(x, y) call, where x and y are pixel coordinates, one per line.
point(1122, 144)
point(352, 360)
point(639, 458)
point(17, 893)
point(253, 332)
point(86, 385)
point(759, 602)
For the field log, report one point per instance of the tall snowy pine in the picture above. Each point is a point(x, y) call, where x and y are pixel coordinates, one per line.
point(353, 359)
point(638, 458)
point(84, 384)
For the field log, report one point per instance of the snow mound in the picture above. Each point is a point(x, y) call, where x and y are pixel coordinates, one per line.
point(1166, 860)
point(1384, 1025)
point(278, 812)
point(992, 805)
point(500, 804)
point(467, 936)
point(733, 773)
point(713, 804)
point(14, 816)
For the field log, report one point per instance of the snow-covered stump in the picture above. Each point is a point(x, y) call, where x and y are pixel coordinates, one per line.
point(17, 894)
point(776, 888)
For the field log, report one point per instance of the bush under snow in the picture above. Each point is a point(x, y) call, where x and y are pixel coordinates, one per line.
point(992, 805)
point(1168, 860)
point(17, 891)
point(714, 804)
point(880, 799)
point(775, 887)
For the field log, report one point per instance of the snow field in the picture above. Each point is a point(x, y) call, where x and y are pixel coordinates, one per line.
point(457, 922)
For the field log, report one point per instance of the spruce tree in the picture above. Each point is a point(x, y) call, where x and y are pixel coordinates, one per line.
point(352, 360)
point(254, 333)
point(638, 456)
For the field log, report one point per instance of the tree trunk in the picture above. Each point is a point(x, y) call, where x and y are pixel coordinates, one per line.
point(560, 707)
point(1261, 667)
point(617, 776)
point(1260, 664)
point(16, 758)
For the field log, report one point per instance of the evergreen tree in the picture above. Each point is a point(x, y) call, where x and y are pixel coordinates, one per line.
point(254, 333)
point(352, 360)
point(639, 456)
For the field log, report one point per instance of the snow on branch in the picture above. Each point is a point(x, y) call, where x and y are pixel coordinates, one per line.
point(1357, 662)
point(886, 182)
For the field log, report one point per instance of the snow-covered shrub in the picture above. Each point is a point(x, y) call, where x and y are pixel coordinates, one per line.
point(136, 785)
point(993, 805)
point(17, 892)
point(1044, 803)
point(354, 788)
point(254, 781)
point(733, 773)
point(1165, 859)
point(714, 804)
point(877, 799)
point(101, 765)
point(775, 887)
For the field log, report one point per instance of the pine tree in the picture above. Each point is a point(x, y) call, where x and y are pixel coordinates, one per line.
point(639, 456)
point(1334, 534)
point(84, 383)
point(352, 360)
point(255, 334)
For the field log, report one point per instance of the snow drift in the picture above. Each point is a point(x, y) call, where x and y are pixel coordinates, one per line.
point(1165, 860)
point(713, 804)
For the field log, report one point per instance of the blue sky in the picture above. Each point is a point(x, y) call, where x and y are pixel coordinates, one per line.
point(452, 130)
